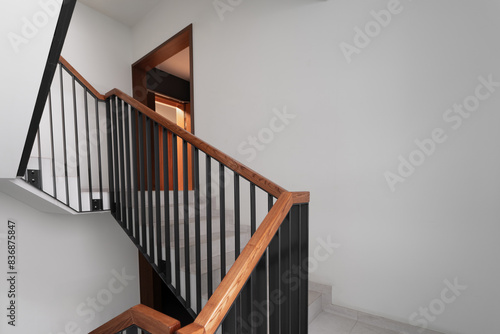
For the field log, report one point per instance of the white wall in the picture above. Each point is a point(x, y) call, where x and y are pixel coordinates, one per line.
point(100, 49)
point(352, 122)
point(27, 28)
point(63, 263)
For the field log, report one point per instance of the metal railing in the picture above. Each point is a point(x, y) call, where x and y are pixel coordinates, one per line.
point(69, 160)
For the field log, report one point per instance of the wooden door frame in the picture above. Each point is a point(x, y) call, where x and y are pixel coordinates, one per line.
point(152, 289)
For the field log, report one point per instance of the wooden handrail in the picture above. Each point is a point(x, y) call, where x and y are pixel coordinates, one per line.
point(81, 78)
point(224, 296)
point(259, 180)
point(142, 316)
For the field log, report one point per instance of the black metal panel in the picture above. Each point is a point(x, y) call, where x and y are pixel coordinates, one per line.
point(260, 297)
point(229, 323)
point(34, 178)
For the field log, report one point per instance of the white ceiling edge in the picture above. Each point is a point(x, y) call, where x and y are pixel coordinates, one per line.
point(127, 12)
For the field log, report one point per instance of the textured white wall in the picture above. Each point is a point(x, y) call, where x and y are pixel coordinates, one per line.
point(27, 28)
point(73, 272)
point(349, 121)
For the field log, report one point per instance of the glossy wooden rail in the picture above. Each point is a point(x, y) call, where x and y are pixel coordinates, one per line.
point(226, 293)
point(252, 176)
point(142, 316)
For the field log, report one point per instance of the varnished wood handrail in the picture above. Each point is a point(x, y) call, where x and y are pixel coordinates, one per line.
point(262, 182)
point(259, 180)
point(81, 78)
point(224, 296)
point(142, 316)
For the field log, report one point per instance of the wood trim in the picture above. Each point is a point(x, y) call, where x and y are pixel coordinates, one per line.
point(142, 316)
point(301, 197)
point(262, 182)
point(81, 78)
point(224, 296)
point(192, 329)
point(177, 43)
point(170, 102)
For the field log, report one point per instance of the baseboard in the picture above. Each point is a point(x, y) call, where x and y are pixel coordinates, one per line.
point(362, 317)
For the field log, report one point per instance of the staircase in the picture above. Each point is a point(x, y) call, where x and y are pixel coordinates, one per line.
point(230, 245)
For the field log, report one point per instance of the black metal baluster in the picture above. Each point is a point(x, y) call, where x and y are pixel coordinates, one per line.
point(149, 172)
point(187, 260)
point(52, 146)
point(253, 211)
point(99, 150)
point(175, 176)
point(135, 161)
point(294, 269)
point(63, 114)
point(196, 176)
point(270, 202)
point(77, 149)
point(123, 186)
point(237, 218)
point(159, 252)
point(87, 137)
point(303, 273)
point(245, 320)
point(222, 213)
point(275, 289)
point(166, 186)
point(208, 167)
point(116, 145)
point(143, 183)
point(260, 296)
point(129, 188)
point(110, 158)
point(285, 270)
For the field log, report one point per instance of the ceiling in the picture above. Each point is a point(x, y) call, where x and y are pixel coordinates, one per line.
point(177, 65)
point(128, 12)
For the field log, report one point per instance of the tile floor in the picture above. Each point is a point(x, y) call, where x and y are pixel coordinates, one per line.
point(327, 323)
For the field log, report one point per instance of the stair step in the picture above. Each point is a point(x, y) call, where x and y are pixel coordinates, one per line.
point(314, 305)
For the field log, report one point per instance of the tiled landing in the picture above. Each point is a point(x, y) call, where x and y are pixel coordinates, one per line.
point(328, 323)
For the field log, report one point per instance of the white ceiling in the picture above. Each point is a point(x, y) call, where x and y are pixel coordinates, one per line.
point(128, 12)
point(177, 65)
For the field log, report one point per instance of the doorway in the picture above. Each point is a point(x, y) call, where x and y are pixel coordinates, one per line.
point(163, 81)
